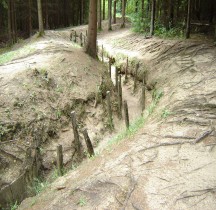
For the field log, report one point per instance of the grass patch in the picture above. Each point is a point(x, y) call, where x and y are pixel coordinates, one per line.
point(10, 55)
point(139, 122)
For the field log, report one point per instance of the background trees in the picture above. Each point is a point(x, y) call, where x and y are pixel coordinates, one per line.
point(19, 18)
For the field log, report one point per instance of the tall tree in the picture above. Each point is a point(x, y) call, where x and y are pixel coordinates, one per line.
point(114, 11)
point(9, 21)
point(99, 15)
point(123, 13)
point(40, 17)
point(30, 16)
point(188, 20)
point(152, 18)
point(110, 14)
point(104, 9)
point(91, 47)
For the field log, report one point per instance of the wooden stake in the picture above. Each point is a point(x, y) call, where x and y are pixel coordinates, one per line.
point(86, 33)
point(81, 40)
point(135, 76)
point(75, 37)
point(143, 99)
point(126, 115)
point(84, 40)
point(119, 97)
point(126, 70)
point(76, 134)
point(144, 78)
point(116, 79)
point(109, 109)
point(102, 54)
point(88, 143)
point(59, 160)
point(110, 71)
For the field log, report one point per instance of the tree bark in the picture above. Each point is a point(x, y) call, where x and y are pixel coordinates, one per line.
point(123, 13)
point(152, 18)
point(104, 9)
point(143, 8)
point(9, 22)
point(40, 18)
point(30, 17)
point(171, 13)
point(91, 47)
point(188, 20)
point(110, 14)
point(99, 16)
point(114, 12)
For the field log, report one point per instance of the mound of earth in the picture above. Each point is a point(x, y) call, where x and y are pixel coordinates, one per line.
point(170, 162)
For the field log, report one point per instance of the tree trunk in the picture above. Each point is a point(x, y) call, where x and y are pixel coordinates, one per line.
point(123, 13)
point(148, 8)
point(171, 13)
point(46, 15)
point(152, 18)
point(110, 14)
point(30, 17)
point(9, 22)
point(143, 8)
point(91, 47)
point(40, 18)
point(81, 12)
point(104, 9)
point(99, 16)
point(188, 20)
point(114, 12)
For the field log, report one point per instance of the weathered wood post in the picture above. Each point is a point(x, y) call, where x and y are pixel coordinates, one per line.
point(119, 97)
point(144, 78)
point(135, 76)
point(116, 78)
point(143, 99)
point(126, 70)
point(75, 39)
point(88, 143)
point(59, 160)
point(81, 39)
point(76, 134)
point(86, 33)
point(109, 109)
point(110, 66)
point(84, 39)
point(126, 115)
point(102, 54)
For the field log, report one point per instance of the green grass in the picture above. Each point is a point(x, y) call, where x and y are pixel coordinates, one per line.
point(139, 122)
point(7, 55)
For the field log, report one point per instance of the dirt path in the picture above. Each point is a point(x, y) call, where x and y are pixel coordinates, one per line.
point(161, 167)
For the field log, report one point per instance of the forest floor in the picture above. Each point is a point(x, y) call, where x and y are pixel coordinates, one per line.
point(170, 162)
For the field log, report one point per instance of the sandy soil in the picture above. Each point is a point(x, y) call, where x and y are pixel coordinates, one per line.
point(170, 162)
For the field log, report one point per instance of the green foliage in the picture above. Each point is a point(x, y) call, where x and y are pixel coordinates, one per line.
point(161, 31)
point(140, 25)
point(14, 206)
point(3, 131)
point(82, 201)
point(38, 186)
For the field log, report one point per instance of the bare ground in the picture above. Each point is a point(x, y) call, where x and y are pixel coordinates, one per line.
point(170, 162)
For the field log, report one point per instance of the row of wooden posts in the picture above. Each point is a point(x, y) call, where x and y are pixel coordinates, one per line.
point(121, 102)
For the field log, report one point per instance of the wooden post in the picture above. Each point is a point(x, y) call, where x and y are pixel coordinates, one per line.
point(144, 78)
point(86, 33)
point(109, 109)
point(75, 37)
point(84, 38)
point(126, 71)
point(110, 71)
point(126, 115)
point(81, 40)
point(88, 143)
point(143, 99)
point(59, 160)
point(119, 97)
point(76, 134)
point(135, 76)
point(102, 54)
point(116, 78)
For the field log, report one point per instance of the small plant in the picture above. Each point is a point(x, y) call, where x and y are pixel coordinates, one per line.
point(3, 130)
point(39, 186)
point(165, 113)
point(33, 96)
point(58, 113)
point(82, 201)
point(14, 206)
